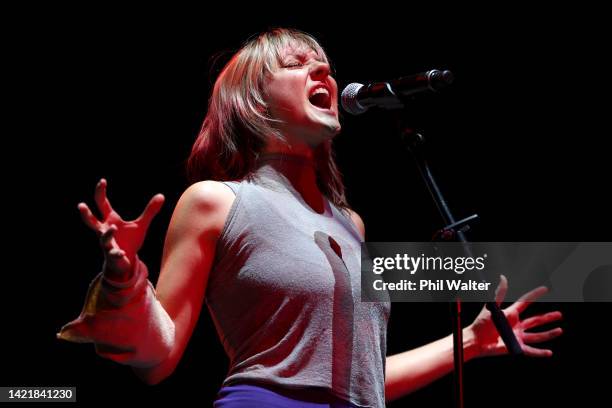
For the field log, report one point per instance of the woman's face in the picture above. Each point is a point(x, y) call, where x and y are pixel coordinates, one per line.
point(302, 94)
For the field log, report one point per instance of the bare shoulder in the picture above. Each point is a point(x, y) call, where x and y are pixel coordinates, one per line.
point(208, 193)
point(358, 222)
point(189, 253)
point(204, 206)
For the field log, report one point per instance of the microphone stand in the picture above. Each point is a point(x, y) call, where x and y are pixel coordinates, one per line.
point(455, 230)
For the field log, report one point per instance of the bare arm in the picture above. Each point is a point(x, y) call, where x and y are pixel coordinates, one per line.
point(411, 370)
point(189, 250)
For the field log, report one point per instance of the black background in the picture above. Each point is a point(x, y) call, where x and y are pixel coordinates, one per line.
point(519, 139)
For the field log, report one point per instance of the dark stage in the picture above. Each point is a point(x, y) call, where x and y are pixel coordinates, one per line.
point(519, 138)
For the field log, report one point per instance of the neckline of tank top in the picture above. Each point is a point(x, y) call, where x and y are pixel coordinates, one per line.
point(269, 172)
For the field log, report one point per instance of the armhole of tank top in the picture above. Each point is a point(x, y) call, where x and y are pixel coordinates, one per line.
point(231, 215)
point(348, 221)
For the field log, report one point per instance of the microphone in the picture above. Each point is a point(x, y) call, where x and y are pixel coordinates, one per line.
point(357, 98)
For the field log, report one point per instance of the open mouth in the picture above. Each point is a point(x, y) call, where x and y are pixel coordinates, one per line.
point(320, 97)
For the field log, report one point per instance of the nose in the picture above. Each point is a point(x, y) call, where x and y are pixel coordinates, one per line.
point(320, 70)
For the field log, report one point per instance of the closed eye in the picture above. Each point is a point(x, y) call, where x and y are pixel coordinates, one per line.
point(293, 65)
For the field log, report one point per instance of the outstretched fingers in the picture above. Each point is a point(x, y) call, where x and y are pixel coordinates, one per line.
point(536, 352)
point(151, 210)
point(106, 239)
point(542, 319)
point(102, 199)
point(542, 336)
point(88, 218)
point(502, 288)
point(528, 298)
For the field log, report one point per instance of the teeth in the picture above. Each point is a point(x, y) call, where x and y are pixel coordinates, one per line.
point(320, 90)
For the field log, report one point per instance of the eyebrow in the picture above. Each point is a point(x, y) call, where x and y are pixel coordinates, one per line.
point(303, 55)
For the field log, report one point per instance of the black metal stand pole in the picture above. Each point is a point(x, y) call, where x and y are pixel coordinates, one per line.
point(455, 230)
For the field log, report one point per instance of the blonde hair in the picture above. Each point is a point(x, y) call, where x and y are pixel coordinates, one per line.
point(237, 125)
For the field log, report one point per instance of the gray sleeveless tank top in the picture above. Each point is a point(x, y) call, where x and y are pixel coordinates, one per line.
point(284, 294)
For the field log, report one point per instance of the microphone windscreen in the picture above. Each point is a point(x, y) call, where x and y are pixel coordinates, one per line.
point(349, 100)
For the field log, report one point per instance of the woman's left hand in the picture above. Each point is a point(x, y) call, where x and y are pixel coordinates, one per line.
point(487, 342)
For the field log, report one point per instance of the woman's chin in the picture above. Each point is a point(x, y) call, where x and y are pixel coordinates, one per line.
point(334, 129)
point(325, 133)
point(329, 123)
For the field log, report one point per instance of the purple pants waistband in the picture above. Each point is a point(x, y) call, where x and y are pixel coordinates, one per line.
point(271, 396)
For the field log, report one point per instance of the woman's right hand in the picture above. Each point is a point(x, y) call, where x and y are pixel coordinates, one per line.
point(120, 240)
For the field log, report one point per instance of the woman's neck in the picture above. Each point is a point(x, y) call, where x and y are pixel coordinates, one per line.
point(299, 167)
